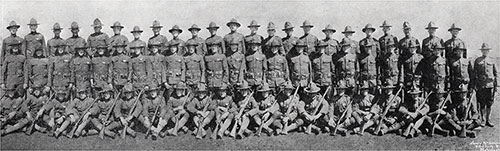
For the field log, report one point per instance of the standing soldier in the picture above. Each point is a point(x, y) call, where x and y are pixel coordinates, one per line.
point(346, 65)
point(486, 83)
point(117, 38)
point(406, 42)
point(267, 42)
point(323, 69)
point(386, 27)
point(254, 27)
point(176, 41)
point(332, 45)
point(121, 68)
point(348, 32)
point(454, 43)
point(460, 69)
point(97, 37)
point(101, 69)
point(158, 71)
point(216, 66)
point(431, 41)
point(368, 68)
point(236, 64)
point(157, 37)
point(140, 68)
point(81, 71)
point(75, 39)
point(375, 45)
point(128, 108)
point(36, 73)
point(390, 66)
point(201, 48)
point(176, 108)
point(410, 62)
point(308, 38)
point(277, 67)
point(60, 71)
point(289, 41)
point(234, 35)
point(136, 32)
point(12, 39)
point(300, 66)
point(434, 70)
point(256, 64)
point(202, 109)
point(215, 39)
point(194, 65)
point(34, 40)
point(12, 74)
point(174, 63)
point(153, 109)
point(53, 43)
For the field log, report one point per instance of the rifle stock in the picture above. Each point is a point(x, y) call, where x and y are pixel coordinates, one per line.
point(130, 113)
point(240, 112)
point(386, 110)
point(151, 126)
point(108, 115)
point(437, 116)
point(80, 119)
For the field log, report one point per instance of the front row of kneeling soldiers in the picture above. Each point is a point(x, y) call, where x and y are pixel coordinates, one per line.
point(241, 112)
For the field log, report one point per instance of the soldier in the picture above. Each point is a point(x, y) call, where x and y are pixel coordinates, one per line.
point(434, 70)
point(81, 69)
point(136, 32)
point(12, 39)
point(36, 72)
point(176, 108)
point(97, 38)
point(100, 113)
point(464, 111)
point(215, 39)
point(333, 46)
point(140, 68)
point(202, 109)
point(75, 39)
point(440, 114)
point(128, 108)
point(348, 32)
point(194, 65)
point(216, 66)
point(287, 112)
point(486, 83)
point(300, 66)
point(408, 41)
point(346, 65)
point(55, 108)
point(361, 106)
point(389, 65)
point(289, 41)
point(34, 40)
point(176, 41)
point(410, 62)
point(454, 43)
point(386, 27)
point(12, 77)
point(369, 40)
point(308, 38)
point(236, 64)
point(234, 35)
point(60, 77)
point(102, 68)
point(267, 42)
point(266, 109)
point(256, 64)
point(201, 48)
point(121, 68)
point(430, 41)
point(368, 67)
point(224, 113)
point(311, 108)
point(176, 72)
point(323, 68)
point(77, 109)
point(460, 69)
point(246, 107)
point(158, 72)
point(33, 108)
point(277, 67)
point(153, 109)
point(254, 27)
point(118, 39)
point(339, 111)
point(412, 111)
point(11, 113)
point(53, 43)
point(157, 37)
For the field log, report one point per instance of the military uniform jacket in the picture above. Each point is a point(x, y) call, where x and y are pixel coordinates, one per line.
point(71, 42)
point(340, 105)
point(158, 70)
point(217, 70)
point(10, 106)
point(404, 45)
point(218, 40)
point(266, 45)
point(60, 108)
point(118, 40)
point(300, 67)
point(101, 71)
point(123, 107)
point(237, 67)
point(149, 106)
point(13, 71)
point(36, 73)
point(96, 39)
point(201, 49)
point(333, 46)
point(6, 46)
point(239, 37)
point(81, 68)
point(310, 107)
point(390, 68)
point(434, 71)
point(252, 104)
point(78, 106)
point(428, 43)
point(195, 69)
point(181, 47)
point(460, 71)
point(175, 102)
point(485, 73)
point(383, 102)
point(141, 69)
point(34, 41)
point(34, 104)
point(101, 107)
point(270, 104)
point(138, 42)
point(368, 69)
point(52, 43)
point(363, 103)
point(226, 102)
point(176, 71)
point(249, 38)
point(199, 105)
point(346, 67)
point(286, 101)
point(384, 40)
point(162, 40)
point(354, 44)
point(311, 42)
point(289, 43)
point(374, 49)
point(323, 69)
point(410, 64)
point(122, 69)
point(413, 106)
point(277, 70)
point(451, 44)
point(60, 71)
point(256, 66)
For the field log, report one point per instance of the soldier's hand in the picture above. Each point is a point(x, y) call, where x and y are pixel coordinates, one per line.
point(51, 122)
point(401, 85)
point(440, 111)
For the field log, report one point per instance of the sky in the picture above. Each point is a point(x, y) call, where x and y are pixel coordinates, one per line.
point(479, 20)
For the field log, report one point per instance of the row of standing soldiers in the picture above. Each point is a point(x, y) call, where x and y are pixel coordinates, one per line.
point(303, 84)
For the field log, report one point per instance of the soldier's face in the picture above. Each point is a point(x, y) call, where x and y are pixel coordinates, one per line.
point(347, 34)
point(253, 30)
point(100, 51)
point(222, 93)
point(391, 49)
point(289, 32)
point(407, 31)
point(328, 33)
point(175, 33)
point(413, 50)
point(454, 32)
point(33, 28)
point(341, 91)
point(137, 51)
point(153, 94)
point(129, 95)
point(233, 27)
point(137, 35)
point(274, 50)
point(173, 49)
point(13, 30)
point(75, 31)
point(346, 48)
point(80, 52)
point(97, 29)
point(321, 49)
point(37, 93)
point(57, 32)
point(194, 32)
point(271, 32)
point(388, 91)
point(15, 49)
point(156, 31)
point(306, 30)
point(458, 53)
point(244, 92)
point(61, 96)
point(234, 48)
point(414, 96)
point(60, 50)
point(288, 92)
point(119, 50)
point(117, 30)
point(38, 53)
point(436, 52)
point(255, 47)
point(300, 49)
point(364, 91)
point(265, 94)
point(212, 31)
point(386, 29)
point(431, 31)
point(368, 32)
point(107, 95)
point(485, 52)
point(154, 49)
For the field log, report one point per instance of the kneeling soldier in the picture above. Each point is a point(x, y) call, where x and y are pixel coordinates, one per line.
point(79, 108)
point(362, 104)
point(34, 109)
point(59, 112)
point(11, 113)
point(411, 111)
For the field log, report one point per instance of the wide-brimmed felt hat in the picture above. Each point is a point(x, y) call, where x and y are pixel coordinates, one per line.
point(13, 24)
point(385, 24)
point(97, 23)
point(253, 23)
point(233, 21)
point(194, 27)
point(136, 29)
point(454, 27)
point(406, 25)
point(244, 85)
point(306, 23)
point(288, 26)
point(33, 22)
point(368, 26)
point(181, 86)
point(74, 25)
point(264, 87)
point(271, 26)
point(175, 28)
point(117, 24)
point(329, 28)
point(312, 88)
point(212, 25)
point(485, 46)
point(56, 27)
point(156, 24)
point(348, 29)
point(431, 25)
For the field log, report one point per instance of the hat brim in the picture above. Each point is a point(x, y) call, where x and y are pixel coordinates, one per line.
point(385, 26)
point(264, 90)
point(455, 29)
point(364, 29)
point(431, 28)
point(171, 30)
point(116, 26)
point(16, 26)
point(345, 32)
point(189, 29)
point(136, 31)
point(236, 23)
point(306, 26)
point(57, 29)
point(253, 26)
point(288, 28)
point(485, 49)
point(96, 25)
point(34, 24)
point(155, 26)
point(311, 91)
point(333, 30)
point(216, 27)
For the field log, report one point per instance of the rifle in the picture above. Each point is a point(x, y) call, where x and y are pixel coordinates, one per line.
point(130, 113)
point(341, 117)
point(32, 125)
point(203, 119)
point(411, 125)
point(389, 104)
point(317, 106)
point(101, 133)
point(81, 118)
point(240, 112)
point(151, 126)
point(437, 116)
point(182, 105)
point(469, 105)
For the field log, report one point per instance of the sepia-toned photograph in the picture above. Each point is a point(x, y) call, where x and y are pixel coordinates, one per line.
point(249, 75)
